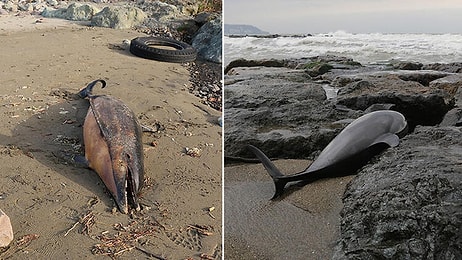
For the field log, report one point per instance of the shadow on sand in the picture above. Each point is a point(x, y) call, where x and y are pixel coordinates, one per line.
point(52, 135)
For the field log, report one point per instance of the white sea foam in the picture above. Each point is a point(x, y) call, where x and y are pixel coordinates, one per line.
point(365, 48)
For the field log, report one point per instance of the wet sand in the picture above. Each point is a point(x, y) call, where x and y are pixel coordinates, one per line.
point(304, 224)
point(51, 202)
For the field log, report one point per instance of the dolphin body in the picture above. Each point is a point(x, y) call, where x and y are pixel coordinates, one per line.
point(113, 147)
point(356, 144)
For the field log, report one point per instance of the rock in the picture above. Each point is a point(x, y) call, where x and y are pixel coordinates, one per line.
point(316, 65)
point(423, 77)
point(160, 11)
point(407, 65)
point(169, 19)
point(74, 12)
point(420, 105)
point(407, 203)
point(26, 7)
point(54, 13)
point(11, 6)
point(204, 17)
point(118, 17)
point(188, 29)
point(6, 230)
point(80, 12)
point(258, 91)
point(52, 2)
point(188, 8)
point(208, 41)
point(274, 109)
point(454, 116)
point(319, 69)
point(254, 63)
point(455, 67)
point(450, 83)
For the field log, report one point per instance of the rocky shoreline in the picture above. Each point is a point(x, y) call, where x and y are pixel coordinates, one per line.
point(406, 203)
point(197, 23)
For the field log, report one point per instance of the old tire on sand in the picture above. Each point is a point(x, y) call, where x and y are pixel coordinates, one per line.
point(148, 47)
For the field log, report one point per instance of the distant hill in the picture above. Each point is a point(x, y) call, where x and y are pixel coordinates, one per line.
point(242, 29)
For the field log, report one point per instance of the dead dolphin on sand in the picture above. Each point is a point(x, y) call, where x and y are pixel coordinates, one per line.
point(348, 151)
point(113, 147)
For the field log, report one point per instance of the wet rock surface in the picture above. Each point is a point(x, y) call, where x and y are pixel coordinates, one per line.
point(406, 203)
point(279, 105)
point(420, 104)
point(278, 112)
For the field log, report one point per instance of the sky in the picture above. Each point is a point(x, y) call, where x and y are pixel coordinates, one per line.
point(354, 16)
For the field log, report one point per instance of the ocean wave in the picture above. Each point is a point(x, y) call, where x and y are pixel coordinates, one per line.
point(366, 48)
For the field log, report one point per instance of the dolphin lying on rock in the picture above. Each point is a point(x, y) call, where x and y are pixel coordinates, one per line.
point(113, 147)
point(362, 139)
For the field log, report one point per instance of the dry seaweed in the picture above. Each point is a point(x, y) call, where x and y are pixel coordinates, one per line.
point(125, 238)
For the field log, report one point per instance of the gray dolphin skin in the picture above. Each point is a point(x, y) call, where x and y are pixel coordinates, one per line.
point(113, 147)
point(356, 144)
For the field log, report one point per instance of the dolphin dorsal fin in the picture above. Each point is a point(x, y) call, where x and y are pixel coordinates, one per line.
point(389, 138)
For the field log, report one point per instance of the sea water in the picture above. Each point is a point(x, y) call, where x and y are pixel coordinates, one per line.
point(367, 49)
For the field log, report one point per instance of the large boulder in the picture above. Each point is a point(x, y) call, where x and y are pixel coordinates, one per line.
point(274, 109)
point(454, 116)
point(160, 11)
point(450, 83)
point(407, 204)
point(119, 17)
point(74, 12)
point(455, 67)
point(421, 104)
point(277, 106)
point(253, 63)
point(208, 41)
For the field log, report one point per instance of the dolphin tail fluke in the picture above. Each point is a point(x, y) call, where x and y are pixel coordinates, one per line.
point(276, 175)
point(86, 92)
point(279, 184)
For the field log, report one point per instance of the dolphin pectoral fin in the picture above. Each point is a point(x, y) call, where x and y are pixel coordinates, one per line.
point(72, 159)
point(81, 161)
point(276, 175)
point(391, 139)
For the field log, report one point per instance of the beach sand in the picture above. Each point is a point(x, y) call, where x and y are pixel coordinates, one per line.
point(60, 211)
point(304, 224)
